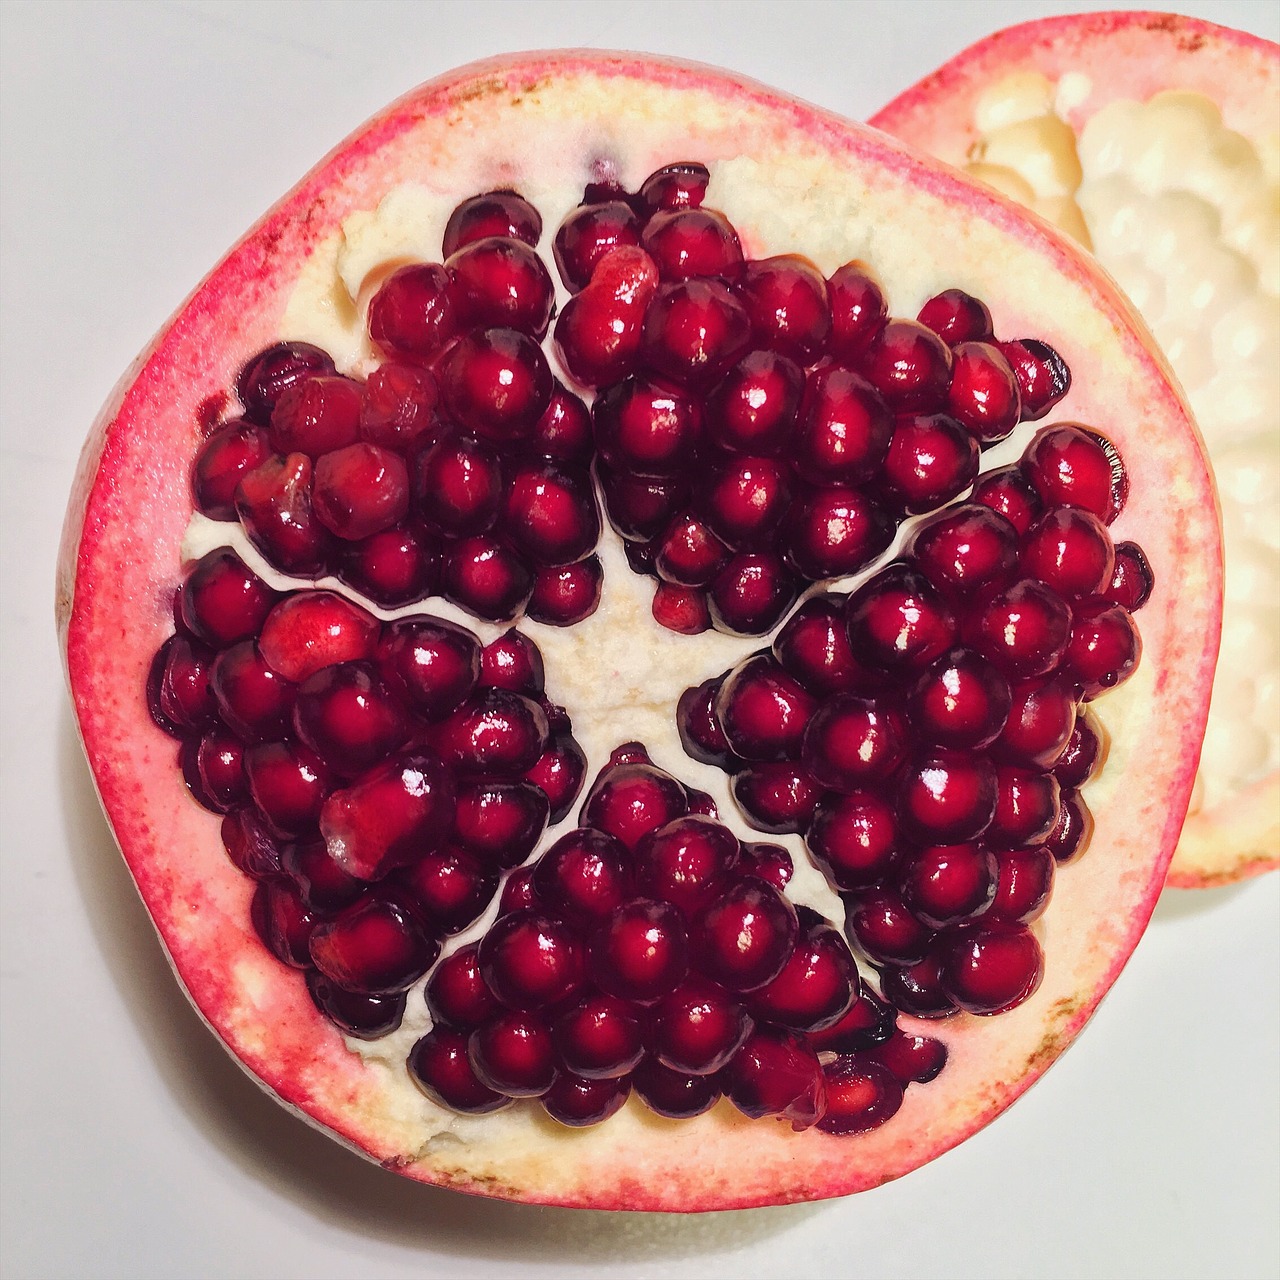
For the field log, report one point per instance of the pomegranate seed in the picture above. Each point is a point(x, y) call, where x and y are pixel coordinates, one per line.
point(745, 499)
point(600, 332)
point(322, 883)
point(584, 877)
point(917, 989)
point(965, 548)
point(389, 816)
point(1027, 803)
point(675, 186)
point(861, 1095)
point(273, 502)
point(550, 513)
point(853, 839)
point(414, 314)
point(558, 773)
point(689, 554)
point(1042, 374)
point(898, 621)
point(513, 662)
point(777, 1072)
point(440, 1067)
point(640, 507)
point(867, 1024)
point(691, 242)
point(817, 985)
point(883, 926)
point(909, 365)
point(858, 310)
point(564, 430)
point(753, 408)
point(1069, 465)
point(252, 699)
point(456, 993)
point(744, 937)
point(777, 797)
point(517, 893)
point(646, 427)
point(283, 922)
point(349, 716)
point(181, 689)
point(494, 733)
point(270, 373)
point(1074, 829)
point(460, 485)
point(1132, 580)
point(501, 282)
point(487, 578)
point(433, 663)
point(531, 961)
point(697, 1028)
point(574, 1101)
point(945, 885)
point(786, 299)
point(1103, 650)
point(222, 601)
point(851, 743)
point(673, 1093)
point(599, 1037)
point(451, 887)
point(314, 629)
point(588, 234)
point(1042, 715)
point(763, 711)
point(219, 769)
point(750, 595)
point(360, 490)
point(356, 1013)
point(229, 454)
point(956, 316)
point(931, 459)
point(1009, 493)
point(316, 415)
point(984, 394)
point(700, 731)
point(499, 821)
point(375, 945)
point(946, 798)
point(629, 800)
point(397, 566)
point(768, 862)
point(496, 382)
point(512, 1053)
point(1024, 882)
point(814, 647)
point(989, 969)
point(681, 609)
point(1084, 754)
point(492, 213)
point(1023, 628)
point(1070, 551)
point(640, 952)
point(912, 1059)
point(843, 428)
point(289, 783)
point(685, 863)
point(398, 409)
point(693, 331)
point(962, 701)
point(249, 845)
point(565, 596)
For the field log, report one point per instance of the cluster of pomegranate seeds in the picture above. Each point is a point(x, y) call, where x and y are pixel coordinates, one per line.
point(755, 428)
point(460, 467)
point(759, 427)
point(376, 779)
point(649, 951)
point(928, 733)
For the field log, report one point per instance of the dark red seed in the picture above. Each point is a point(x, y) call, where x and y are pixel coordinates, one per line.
point(851, 743)
point(1042, 374)
point(599, 1037)
point(559, 773)
point(817, 985)
point(917, 989)
point(946, 797)
point(880, 923)
point(776, 1072)
point(861, 1095)
point(1070, 551)
point(1104, 648)
point(965, 549)
point(1084, 754)
point(492, 213)
point(647, 427)
point(753, 409)
point(1027, 806)
point(956, 316)
point(763, 711)
point(577, 1102)
point(1024, 883)
point(459, 485)
point(584, 877)
point(777, 796)
point(814, 647)
point(1071, 835)
point(786, 299)
point(1132, 580)
point(356, 1013)
point(744, 938)
point(629, 800)
point(686, 862)
point(842, 430)
point(945, 885)
point(323, 884)
point(273, 502)
point(858, 310)
point(249, 845)
point(697, 1028)
point(359, 491)
point(640, 952)
point(691, 242)
point(1008, 492)
point(961, 701)
point(867, 1023)
point(398, 408)
point(496, 382)
point(375, 945)
point(452, 887)
point(984, 394)
point(413, 314)
point(235, 449)
point(1023, 628)
point(223, 601)
point(398, 566)
point(289, 784)
point(439, 1065)
point(270, 373)
point(853, 839)
point(673, 1093)
point(487, 578)
point(898, 621)
point(909, 365)
point(588, 234)
point(1042, 715)
point(350, 716)
point(530, 960)
point(456, 993)
point(931, 459)
point(1071, 465)
point(700, 731)
point(681, 609)
point(283, 922)
point(512, 1053)
point(675, 186)
point(500, 281)
point(316, 416)
point(990, 969)
point(693, 331)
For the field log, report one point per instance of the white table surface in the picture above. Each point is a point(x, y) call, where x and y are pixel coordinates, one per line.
point(139, 140)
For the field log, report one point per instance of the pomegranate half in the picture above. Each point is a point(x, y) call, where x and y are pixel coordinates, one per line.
point(792, 179)
point(1152, 140)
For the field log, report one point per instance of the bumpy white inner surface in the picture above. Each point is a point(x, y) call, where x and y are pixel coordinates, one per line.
point(1185, 214)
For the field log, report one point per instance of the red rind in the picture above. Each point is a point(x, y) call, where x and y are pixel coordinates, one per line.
point(120, 559)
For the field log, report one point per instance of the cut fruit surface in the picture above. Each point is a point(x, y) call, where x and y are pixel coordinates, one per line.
point(428, 752)
point(1154, 140)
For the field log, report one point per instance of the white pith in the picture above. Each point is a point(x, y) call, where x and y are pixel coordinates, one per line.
point(1185, 214)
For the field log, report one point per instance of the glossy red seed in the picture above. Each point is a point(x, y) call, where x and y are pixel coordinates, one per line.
point(990, 969)
point(530, 960)
point(375, 945)
point(956, 316)
point(697, 1028)
point(853, 839)
point(691, 242)
point(413, 314)
point(255, 701)
point(945, 885)
point(492, 213)
point(776, 1072)
point(223, 601)
point(438, 1064)
point(267, 375)
point(599, 1037)
point(235, 449)
point(744, 937)
point(984, 394)
point(858, 310)
point(753, 409)
point(314, 629)
point(640, 952)
point(861, 1095)
point(946, 797)
point(512, 1053)
point(786, 300)
point(273, 502)
point(763, 711)
point(686, 862)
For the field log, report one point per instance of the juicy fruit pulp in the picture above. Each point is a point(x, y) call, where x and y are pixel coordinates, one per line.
point(1151, 139)
point(251, 998)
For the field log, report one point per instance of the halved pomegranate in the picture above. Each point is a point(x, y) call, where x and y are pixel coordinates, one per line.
point(1151, 139)
point(397, 915)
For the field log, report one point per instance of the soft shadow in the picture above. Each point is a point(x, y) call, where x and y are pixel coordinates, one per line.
point(1175, 905)
point(274, 1147)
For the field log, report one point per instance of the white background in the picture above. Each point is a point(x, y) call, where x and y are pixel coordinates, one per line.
point(139, 141)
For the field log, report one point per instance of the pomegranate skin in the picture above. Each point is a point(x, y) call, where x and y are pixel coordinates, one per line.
point(782, 1166)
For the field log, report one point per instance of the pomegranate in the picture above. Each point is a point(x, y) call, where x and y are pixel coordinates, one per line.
point(1182, 212)
point(365, 851)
